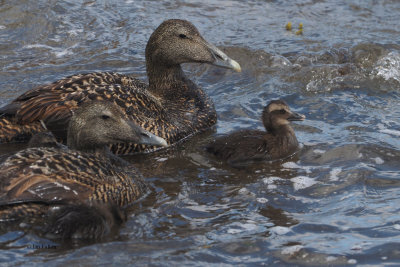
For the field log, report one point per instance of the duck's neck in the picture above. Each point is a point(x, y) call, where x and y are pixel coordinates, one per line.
point(285, 136)
point(169, 82)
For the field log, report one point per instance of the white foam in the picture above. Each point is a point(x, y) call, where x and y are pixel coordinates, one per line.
point(319, 151)
point(388, 67)
point(234, 231)
point(37, 46)
point(302, 182)
point(62, 53)
point(333, 175)
point(243, 190)
point(292, 249)
point(291, 165)
point(56, 51)
point(396, 226)
point(75, 32)
point(262, 200)
point(2, 27)
point(270, 182)
point(352, 261)
point(392, 132)
point(378, 160)
point(331, 258)
point(272, 186)
point(279, 230)
point(242, 227)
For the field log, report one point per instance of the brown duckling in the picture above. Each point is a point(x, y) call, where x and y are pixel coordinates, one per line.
point(170, 106)
point(38, 179)
point(253, 145)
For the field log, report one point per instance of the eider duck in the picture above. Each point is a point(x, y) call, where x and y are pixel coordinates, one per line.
point(170, 106)
point(37, 181)
point(253, 145)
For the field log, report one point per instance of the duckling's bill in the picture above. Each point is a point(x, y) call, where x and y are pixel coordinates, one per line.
point(296, 117)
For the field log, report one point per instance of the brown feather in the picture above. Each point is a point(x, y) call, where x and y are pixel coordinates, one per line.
point(171, 106)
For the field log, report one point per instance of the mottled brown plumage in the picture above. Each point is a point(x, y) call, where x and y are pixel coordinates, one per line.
point(252, 145)
point(13, 131)
point(37, 179)
point(171, 106)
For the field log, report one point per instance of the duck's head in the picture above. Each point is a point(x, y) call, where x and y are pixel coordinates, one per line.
point(178, 41)
point(97, 124)
point(277, 114)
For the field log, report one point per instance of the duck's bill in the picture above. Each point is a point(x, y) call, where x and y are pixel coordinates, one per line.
point(148, 138)
point(296, 117)
point(141, 136)
point(222, 60)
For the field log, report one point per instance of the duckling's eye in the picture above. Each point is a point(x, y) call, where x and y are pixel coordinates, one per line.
point(105, 117)
point(282, 111)
point(182, 36)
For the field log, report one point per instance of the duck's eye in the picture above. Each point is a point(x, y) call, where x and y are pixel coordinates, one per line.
point(105, 117)
point(182, 36)
point(282, 111)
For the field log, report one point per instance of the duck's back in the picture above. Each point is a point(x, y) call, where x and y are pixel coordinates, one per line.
point(241, 146)
point(172, 120)
point(46, 175)
point(253, 145)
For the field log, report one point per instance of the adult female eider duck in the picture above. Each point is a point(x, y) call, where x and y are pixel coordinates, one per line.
point(253, 145)
point(35, 180)
point(170, 106)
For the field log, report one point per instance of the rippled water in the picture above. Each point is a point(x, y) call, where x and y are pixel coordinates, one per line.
point(334, 203)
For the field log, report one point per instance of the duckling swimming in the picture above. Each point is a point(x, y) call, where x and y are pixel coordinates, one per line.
point(37, 180)
point(170, 106)
point(253, 145)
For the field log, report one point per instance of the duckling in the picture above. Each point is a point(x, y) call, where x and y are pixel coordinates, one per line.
point(253, 145)
point(35, 180)
point(170, 106)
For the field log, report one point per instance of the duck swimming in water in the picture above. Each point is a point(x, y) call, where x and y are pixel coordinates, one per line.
point(37, 181)
point(170, 106)
point(253, 145)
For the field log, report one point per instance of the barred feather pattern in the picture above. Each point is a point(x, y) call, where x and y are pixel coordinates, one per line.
point(10, 131)
point(171, 120)
point(52, 175)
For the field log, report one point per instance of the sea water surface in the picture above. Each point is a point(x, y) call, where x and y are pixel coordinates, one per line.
point(336, 202)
